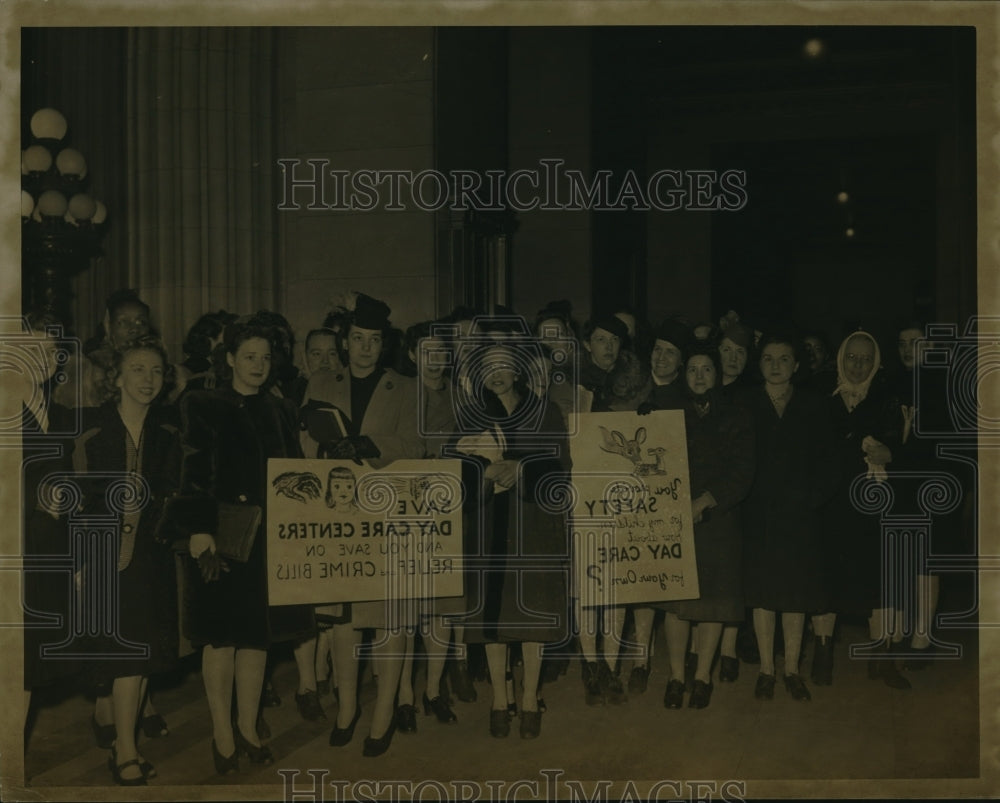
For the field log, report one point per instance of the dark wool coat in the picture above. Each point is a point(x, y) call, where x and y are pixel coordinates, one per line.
point(797, 473)
point(916, 458)
point(47, 594)
point(720, 461)
point(147, 587)
point(516, 549)
point(227, 439)
point(853, 536)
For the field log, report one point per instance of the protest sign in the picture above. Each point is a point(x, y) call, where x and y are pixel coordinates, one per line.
point(631, 526)
point(340, 532)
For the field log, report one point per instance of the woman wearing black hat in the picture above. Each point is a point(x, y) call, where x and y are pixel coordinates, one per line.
point(377, 406)
point(666, 381)
point(720, 442)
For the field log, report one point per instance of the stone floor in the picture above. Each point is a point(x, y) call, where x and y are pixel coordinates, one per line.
point(857, 738)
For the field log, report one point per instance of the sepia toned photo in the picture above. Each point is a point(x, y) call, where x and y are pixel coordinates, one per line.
point(517, 402)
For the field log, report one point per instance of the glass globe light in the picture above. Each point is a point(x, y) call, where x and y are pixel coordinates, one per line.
point(35, 159)
point(82, 206)
point(27, 204)
point(70, 162)
point(52, 203)
point(100, 213)
point(48, 124)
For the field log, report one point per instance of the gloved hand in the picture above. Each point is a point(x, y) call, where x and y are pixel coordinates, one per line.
point(646, 408)
point(353, 447)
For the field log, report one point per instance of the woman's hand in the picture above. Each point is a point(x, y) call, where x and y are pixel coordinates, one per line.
point(211, 565)
point(877, 453)
point(200, 542)
point(503, 473)
point(699, 506)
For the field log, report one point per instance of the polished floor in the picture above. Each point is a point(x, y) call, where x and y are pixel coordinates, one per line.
point(856, 729)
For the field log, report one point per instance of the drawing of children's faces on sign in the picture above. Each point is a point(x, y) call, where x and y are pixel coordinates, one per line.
point(340, 489)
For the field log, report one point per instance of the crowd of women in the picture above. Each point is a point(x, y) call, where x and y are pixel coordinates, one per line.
point(779, 428)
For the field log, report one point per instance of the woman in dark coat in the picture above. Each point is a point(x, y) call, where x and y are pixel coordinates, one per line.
point(782, 526)
point(131, 433)
point(46, 450)
point(720, 441)
point(522, 595)
point(229, 434)
point(867, 428)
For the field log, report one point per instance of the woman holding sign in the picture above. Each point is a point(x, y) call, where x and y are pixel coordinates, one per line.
point(516, 457)
point(366, 412)
point(228, 436)
point(720, 441)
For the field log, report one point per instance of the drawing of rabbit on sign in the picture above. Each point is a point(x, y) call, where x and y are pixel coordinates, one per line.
point(614, 442)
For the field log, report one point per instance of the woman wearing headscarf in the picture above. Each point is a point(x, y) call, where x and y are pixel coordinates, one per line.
point(866, 425)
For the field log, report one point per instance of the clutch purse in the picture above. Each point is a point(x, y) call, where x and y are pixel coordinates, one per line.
point(237, 529)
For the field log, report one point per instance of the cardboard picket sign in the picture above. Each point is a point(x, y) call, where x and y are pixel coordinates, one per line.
point(631, 526)
point(340, 532)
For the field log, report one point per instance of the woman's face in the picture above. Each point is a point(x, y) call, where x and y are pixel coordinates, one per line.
point(432, 358)
point(907, 345)
point(552, 330)
point(859, 358)
point(341, 491)
point(603, 347)
point(251, 365)
point(141, 378)
point(499, 370)
point(321, 355)
point(128, 322)
point(665, 360)
point(816, 352)
point(777, 363)
point(364, 347)
point(734, 358)
point(700, 374)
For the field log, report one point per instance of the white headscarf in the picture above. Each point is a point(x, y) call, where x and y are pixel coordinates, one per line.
point(853, 393)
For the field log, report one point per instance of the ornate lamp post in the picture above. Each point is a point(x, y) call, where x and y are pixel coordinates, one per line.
point(62, 225)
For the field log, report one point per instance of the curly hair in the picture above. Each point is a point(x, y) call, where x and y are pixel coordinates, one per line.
point(109, 386)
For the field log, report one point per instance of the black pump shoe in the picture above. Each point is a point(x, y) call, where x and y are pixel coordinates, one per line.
point(376, 747)
point(440, 709)
point(257, 755)
point(342, 736)
point(406, 718)
point(225, 765)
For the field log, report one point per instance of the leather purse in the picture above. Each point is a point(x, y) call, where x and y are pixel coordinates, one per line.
point(237, 529)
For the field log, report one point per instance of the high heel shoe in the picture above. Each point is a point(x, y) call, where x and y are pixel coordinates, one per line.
point(257, 755)
point(342, 736)
point(104, 735)
point(225, 765)
point(376, 747)
point(154, 726)
point(440, 709)
point(116, 770)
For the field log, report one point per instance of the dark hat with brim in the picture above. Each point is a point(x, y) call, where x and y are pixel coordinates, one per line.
point(673, 331)
point(370, 313)
point(615, 326)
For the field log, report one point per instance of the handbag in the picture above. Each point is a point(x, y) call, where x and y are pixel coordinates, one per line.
point(237, 529)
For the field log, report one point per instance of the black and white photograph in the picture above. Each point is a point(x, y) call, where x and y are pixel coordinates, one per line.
point(515, 401)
